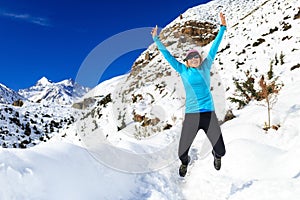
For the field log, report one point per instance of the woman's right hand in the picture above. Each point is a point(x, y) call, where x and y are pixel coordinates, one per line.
point(223, 20)
point(154, 31)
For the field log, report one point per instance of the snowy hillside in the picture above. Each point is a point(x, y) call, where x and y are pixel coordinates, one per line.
point(33, 123)
point(8, 96)
point(128, 137)
point(46, 92)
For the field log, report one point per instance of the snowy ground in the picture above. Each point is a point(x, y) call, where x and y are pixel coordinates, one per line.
point(257, 165)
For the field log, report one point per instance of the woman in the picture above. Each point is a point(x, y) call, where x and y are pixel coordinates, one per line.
point(200, 111)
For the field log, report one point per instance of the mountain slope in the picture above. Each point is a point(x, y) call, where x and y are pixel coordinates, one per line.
point(31, 124)
point(150, 100)
point(8, 96)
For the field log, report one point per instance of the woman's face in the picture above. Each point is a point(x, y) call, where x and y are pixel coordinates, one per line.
point(194, 60)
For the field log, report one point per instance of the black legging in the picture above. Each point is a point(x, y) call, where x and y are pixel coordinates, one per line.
point(193, 122)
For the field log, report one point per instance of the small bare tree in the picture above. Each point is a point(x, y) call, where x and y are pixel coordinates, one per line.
point(268, 91)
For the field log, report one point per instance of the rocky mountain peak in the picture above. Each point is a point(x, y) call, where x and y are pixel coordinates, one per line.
point(43, 82)
point(48, 92)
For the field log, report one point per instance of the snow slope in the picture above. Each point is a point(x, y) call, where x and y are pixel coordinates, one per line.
point(8, 96)
point(100, 159)
point(59, 171)
point(33, 123)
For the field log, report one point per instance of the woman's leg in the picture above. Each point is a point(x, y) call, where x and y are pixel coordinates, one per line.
point(189, 131)
point(209, 123)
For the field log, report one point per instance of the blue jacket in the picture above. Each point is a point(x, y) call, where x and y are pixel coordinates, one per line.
point(196, 81)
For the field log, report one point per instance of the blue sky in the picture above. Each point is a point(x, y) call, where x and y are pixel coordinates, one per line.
point(52, 38)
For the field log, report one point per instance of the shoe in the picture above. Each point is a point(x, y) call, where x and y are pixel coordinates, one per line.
point(217, 161)
point(183, 168)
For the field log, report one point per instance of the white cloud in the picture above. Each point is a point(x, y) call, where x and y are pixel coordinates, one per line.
point(26, 17)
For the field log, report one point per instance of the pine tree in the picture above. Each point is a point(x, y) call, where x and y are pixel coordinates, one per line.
point(245, 91)
point(27, 129)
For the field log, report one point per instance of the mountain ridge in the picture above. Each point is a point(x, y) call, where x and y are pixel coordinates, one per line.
point(64, 92)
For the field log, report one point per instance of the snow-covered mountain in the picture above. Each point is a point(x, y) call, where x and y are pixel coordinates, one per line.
point(44, 109)
point(64, 92)
point(134, 126)
point(8, 96)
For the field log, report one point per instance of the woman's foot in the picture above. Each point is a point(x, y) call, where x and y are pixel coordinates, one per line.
point(183, 168)
point(217, 161)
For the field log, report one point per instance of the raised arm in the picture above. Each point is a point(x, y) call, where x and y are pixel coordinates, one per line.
point(214, 48)
point(178, 66)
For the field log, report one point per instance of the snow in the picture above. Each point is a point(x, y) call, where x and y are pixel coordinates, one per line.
point(97, 161)
point(64, 172)
point(105, 87)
